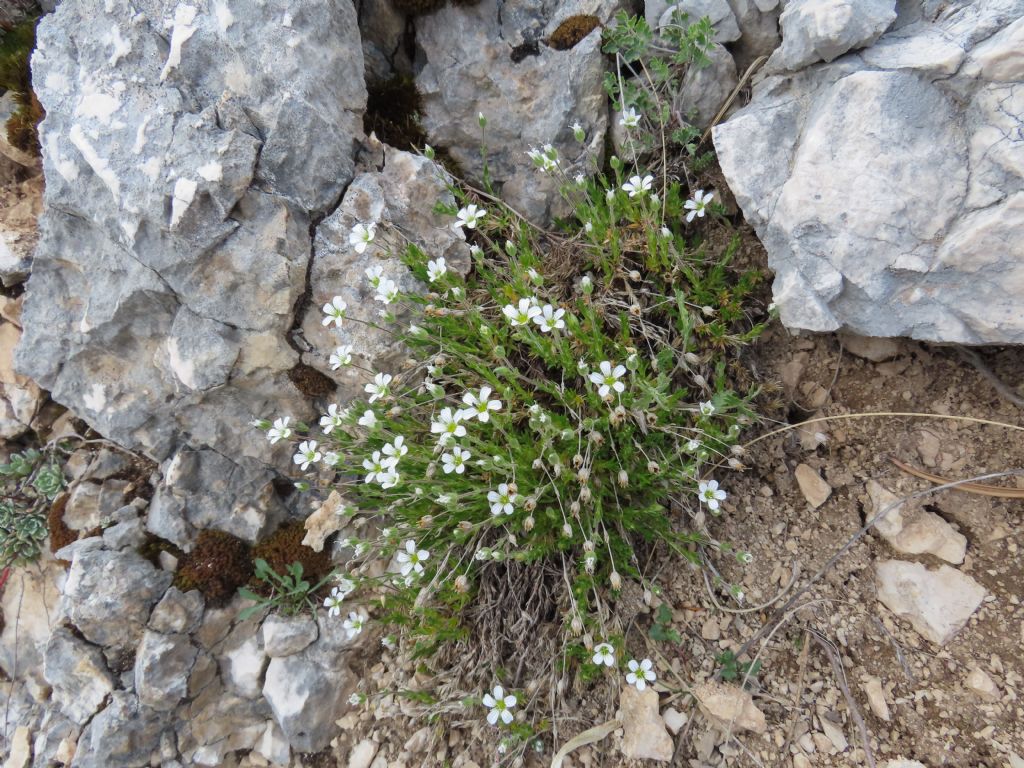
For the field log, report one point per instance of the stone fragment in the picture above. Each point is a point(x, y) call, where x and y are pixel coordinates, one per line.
point(20, 397)
point(644, 736)
point(718, 12)
point(162, 667)
point(284, 636)
point(875, 350)
point(123, 735)
point(812, 486)
point(177, 611)
point(362, 754)
point(216, 723)
point(674, 720)
point(20, 755)
point(327, 519)
point(876, 697)
point(936, 603)
point(705, 89)
point(729, 708)
point(981, 685)
point(913, 530)
point(78, 674)
point(822, 30)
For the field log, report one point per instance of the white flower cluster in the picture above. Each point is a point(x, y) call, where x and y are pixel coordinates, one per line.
point(545, 158)
point(545, 317)
point(353, 624)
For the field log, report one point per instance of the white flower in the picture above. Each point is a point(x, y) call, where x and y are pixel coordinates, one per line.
point(444, 499)
point(697, 205)
point(447, 424)
point(333, 419)
point(666, 232)
point(693, 444)
point(361, 236)
point(398, 448)
point(630, 118)
point(588, 227)
point(580, 179)
point(389, 478)
point(374, 274)
point(379, 387)
point(353, 625)
point(500, 706)
point(341, 357)
point(376, 466)
point(640, 674)
point(521, 314)
point(345, 587)
point(368, 419)
point(607, 378)
point(387, 291)
point(355, 699)
point(637, 186)
point(412, 558)
point(534, 276)
point(550, 319)
point(480, 406)
point(707, 408)
point(710, 494)
point(455, 461)
point(435, 269)
point(280, 430)
point(476, 251)
point(331, 459)
point(307, 454)
point(604, 654)
point(333, 603)
point(502, 500)
point(469, 217)
point(334, 312)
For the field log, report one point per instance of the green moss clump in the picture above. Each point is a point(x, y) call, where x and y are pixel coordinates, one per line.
point(217, 566)
point(417, 7)
point(284, 547)
point(16, 47)
point(571, 31)
point(310, 382)
point(154, 545)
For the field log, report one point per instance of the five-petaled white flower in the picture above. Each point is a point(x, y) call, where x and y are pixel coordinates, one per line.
point(693, 444)
point(637, 186)
point(502, 500)
point(362, 235)
point(334, 312)
point(608, 378)
point(379, 387)
point(550, 319)
point(280, 430)
point(333, 419)
point(353, 625)
point(389, 478)
point(387, 291)
point(455, 461)
point(697, 205)
point(436, 268)
point(368, 419)
point(500, 706)
point(374, 274)
point(640, 674)
point(469, 217)
point(707, 408)
point(710, 494)
point(480, 406)
point(307, 454)
point(412, 558)
point(522, 313)
point(333, 602)
point(377, 465)
point(630, 118)
point(447, 424)
point(341, 357)
point(604, 653)
point(398, 449)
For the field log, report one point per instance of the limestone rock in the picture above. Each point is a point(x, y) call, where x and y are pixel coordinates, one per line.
point(814, 489)
point(729, 708)
point(674, 720)
point(20, 398)
point(327, 519)
point(924, 120)
point(217, 722)
point(162, 667)
point(177, 611)
point(489, 57)
point(108, 595)
point(981, 685)
point(759, 31)
point(20, 206)
point(705, 89)
point(78, 675)
point(33, 596)
point(876, 697)
point(361, 755)
point(284, 636)
point(242, 660)
point(823, 30)
point(718, 12)
point(308, 690)
point(123, 735)
point(20, 755)
point(913, 530)
point(875, 350)
point(644, 736)
point(936, 603)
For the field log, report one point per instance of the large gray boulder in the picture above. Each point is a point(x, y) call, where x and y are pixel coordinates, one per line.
point(493, 58)
point(186, 148)
point(888, 186)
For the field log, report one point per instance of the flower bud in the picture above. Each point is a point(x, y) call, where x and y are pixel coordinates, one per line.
point(589, 562)
point(653, 467)
point(567, 530)
point(596, 438)
point(530, 504)
point(513, 488)
point(577, 626)
point(623, 478)
point(634, 309)
point(461, 583)
point(648, 597)
point(431, 469)
point(574, 509)
point(738, 450)
point(528, 523)
point(615, 580)
point(691, 358)
point(577, 461)
point(588, 546)
point(425, 521)
point(583, 476)
point(587, 285)
point(538, 464)
point(735, 463)
point(700, 381)
point(708, 311)
point(585, 495)
point(466, 526)
point(635, 276)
